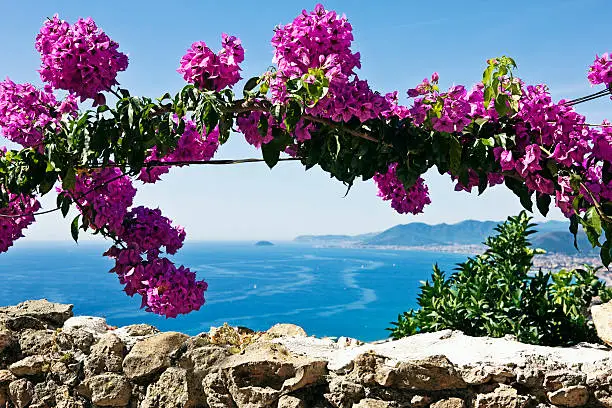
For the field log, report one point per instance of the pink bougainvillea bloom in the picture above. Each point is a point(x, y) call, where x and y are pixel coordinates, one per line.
point(79, 58)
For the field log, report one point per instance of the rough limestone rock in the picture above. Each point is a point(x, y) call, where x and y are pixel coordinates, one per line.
point(95, 325)
point(92, 365)
point(30, 366)
point(33, 342)
point(21, 392)
point(286, 329)
point(108, 390)
point(81, 332)
point(344, 393)
point(461, 350)
point(35, 314)
point(483, 374)
point(419, 401)
point(373, 403)
point(9, 347)
point(65, 372)
point(44, 394)
point(602, 318)
point(6, 377)
point(573, 396)
point(348, 342)
point(265, 371)
point(503, 396)
point(604, 401)
point(431, 374)
point(449, 403)
point(557, 379)
point(133, 333)
point(174, 389)
point(151, 356)
point(106, 355)
point(287, 401)
point(216, 392)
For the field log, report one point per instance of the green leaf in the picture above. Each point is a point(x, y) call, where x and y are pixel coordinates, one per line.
point(263, 89)
point(130, 115)
point(293, 115)
point(262, 126)
point(69, 179)
point(271, 153)
point(487, 74)
point(46, 185)
point(483, 183)
point(543, 203)
point(455, 154)
point(181, 126)
point(574, 222)
point(74, 228)
point(490, 142)
point(65, 207)
point(489, 94)
point(593, 219)
point(521, 191)
point(250, 85)
point(591, 223)
point(606, 253)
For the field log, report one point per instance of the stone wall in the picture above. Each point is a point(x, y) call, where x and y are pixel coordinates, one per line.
point(50, 359)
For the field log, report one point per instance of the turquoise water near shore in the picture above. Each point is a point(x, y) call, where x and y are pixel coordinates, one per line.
point(328, 291)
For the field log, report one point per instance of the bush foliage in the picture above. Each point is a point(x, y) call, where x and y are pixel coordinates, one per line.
point(498, 293)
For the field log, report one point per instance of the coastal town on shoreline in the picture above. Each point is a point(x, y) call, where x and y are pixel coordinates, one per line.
point(547, 262)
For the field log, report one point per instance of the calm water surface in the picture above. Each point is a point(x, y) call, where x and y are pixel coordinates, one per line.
point(327, 291)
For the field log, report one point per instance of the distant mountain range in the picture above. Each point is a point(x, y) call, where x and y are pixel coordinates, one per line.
point(552, 236)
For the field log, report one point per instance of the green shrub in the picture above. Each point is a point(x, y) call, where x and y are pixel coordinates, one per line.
point(497, 293)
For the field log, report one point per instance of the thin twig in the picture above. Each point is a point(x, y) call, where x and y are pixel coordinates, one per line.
point(598, 208)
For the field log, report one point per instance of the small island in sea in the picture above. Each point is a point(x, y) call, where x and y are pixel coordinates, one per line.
point(264, 243)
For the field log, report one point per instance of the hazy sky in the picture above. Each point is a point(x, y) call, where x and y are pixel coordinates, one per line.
point(401, 42)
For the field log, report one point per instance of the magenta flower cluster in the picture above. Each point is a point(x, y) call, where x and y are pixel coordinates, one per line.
point(322, 40)
point(79, 58)
point(25, 111)
point(164, 288)
point(147, 231)
point(317, 39)
point(191, 146)
point(458, 106)
point(554, 131)
point(248, 125)
point(15, 218)
point(403, 201)
point(103, 196)
point(210, 71)
point(601, 70)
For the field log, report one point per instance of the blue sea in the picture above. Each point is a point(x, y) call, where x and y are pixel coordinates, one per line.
point(328, 291)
